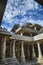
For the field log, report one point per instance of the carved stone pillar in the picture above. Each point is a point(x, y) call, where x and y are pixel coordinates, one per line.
point(3, 50)
point(14, 56)
point(40, 58)
point(28, 52)
point(22, 53)
point(10, 49)
point(39, 51)
point(33, 52)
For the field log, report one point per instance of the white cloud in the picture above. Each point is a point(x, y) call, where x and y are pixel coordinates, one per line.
point(16, 7)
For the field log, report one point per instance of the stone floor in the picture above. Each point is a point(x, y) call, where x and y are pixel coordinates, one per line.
point(11, 61)
point(22, 64)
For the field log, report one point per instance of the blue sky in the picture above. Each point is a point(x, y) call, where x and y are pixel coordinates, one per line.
point(22, 11)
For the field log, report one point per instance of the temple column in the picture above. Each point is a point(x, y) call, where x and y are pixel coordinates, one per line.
point(19, 51)
point(10, 49)
point(22, 53)
point(28, 52)
point(33, 52)
point(39, 51)
point(14, 56)
point(4, 50)
point(39, 54)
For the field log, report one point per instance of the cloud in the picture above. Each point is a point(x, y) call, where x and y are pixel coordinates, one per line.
point(21, 11)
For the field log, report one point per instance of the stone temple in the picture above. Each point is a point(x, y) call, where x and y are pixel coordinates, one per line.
point(23, 45)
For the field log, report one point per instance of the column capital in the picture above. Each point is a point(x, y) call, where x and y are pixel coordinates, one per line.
point(22, 41)
point(38, 42)
point(14, 41)
point(4, 39)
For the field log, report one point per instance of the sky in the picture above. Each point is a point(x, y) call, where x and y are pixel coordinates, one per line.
point(22, 11)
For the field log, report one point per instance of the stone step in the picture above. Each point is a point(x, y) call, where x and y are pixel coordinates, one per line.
point(31, 64)
point(12, 61)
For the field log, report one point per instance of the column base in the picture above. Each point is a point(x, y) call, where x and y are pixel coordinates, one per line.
point(34, 59)
point(22, 60)
point(3, 61)
point(40, 60)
